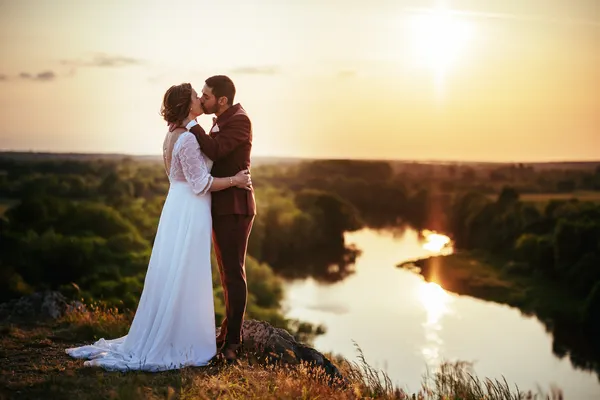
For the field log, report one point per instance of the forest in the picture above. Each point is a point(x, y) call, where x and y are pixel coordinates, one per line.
point(85, 225)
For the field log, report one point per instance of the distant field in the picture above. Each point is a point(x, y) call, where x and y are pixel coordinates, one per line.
point(543, 197)
point(546, 197)
point(256, 160)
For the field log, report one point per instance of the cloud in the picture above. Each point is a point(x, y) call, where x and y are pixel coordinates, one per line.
point(256, 70)
point(45, 76)
point(41, 76)
point(104, 61)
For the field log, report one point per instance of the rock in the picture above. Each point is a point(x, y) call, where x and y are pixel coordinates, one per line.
point(40, 305)
point(272, 344)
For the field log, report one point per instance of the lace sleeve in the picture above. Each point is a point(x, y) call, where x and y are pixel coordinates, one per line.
point(193, 165)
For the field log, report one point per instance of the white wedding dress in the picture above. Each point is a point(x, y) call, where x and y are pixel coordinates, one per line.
point(174, 325)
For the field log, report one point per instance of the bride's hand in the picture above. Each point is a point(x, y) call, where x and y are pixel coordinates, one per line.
point(243, 180)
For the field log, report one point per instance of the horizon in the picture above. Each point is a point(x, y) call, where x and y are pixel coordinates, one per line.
point(475, 81)
point(302, 159)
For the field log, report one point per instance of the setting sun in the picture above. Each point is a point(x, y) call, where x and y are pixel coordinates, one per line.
point(438, 40)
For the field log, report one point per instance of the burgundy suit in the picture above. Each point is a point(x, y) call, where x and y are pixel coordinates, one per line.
point(233, 211)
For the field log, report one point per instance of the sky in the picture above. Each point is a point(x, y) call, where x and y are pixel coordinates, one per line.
point(470, 80)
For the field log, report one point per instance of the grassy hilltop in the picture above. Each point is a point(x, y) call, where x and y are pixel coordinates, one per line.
point(33, 365)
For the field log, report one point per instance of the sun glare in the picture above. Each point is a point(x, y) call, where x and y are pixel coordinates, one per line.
point(436, 243)
point(439, 40)
point(435, 301)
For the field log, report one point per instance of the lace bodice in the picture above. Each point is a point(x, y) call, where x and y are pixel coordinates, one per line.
point(189, 164)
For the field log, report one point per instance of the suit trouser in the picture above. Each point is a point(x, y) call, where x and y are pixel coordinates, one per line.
point(230, 238)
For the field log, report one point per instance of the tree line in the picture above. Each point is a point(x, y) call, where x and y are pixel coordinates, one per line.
point(86, 226)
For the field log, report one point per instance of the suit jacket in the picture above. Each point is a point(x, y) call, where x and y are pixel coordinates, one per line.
point(229, 147)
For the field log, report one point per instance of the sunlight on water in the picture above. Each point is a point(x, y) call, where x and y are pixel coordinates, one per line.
point(436, 242)
point(435, 300)
point(408, 326)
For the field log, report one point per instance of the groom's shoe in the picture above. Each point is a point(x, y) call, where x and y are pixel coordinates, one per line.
point(230, 352)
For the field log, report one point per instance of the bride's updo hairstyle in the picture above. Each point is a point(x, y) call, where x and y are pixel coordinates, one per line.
point(177, 103)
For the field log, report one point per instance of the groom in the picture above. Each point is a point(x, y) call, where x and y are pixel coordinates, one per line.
point(228, 145)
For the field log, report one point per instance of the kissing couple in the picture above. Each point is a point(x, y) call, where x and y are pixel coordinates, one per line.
point(210, 195)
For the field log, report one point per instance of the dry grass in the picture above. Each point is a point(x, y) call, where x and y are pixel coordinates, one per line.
point(92, 323)
point(33, 365)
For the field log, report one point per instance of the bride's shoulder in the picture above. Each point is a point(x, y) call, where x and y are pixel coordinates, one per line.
point(177, 131)
point(186, 139)
point(174, 135)
point(187, 135)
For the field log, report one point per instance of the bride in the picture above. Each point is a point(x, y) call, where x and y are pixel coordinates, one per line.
point(174, 325)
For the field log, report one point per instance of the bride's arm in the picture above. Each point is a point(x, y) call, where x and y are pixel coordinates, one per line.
point(196, 172)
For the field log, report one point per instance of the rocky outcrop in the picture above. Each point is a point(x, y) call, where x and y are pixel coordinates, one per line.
point(270, 344)
point(41, 305)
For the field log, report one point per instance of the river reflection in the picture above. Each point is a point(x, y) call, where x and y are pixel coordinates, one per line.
point(435, 301)
point(405, 325)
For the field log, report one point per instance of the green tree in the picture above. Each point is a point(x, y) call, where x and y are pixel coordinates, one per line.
point(591, 312)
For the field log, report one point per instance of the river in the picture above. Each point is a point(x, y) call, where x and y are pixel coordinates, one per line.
point(405, 325)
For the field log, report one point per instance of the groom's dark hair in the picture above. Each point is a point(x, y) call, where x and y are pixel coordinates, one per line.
point(222, 85)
